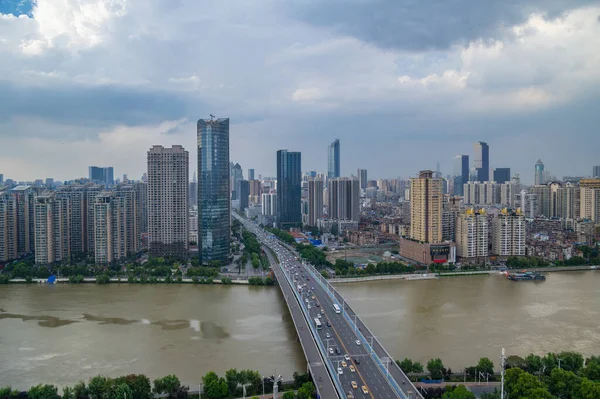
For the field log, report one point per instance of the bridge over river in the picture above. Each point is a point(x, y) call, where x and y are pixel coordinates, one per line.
point(344, 357)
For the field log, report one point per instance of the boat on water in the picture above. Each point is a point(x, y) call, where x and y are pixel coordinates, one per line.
point(526, 276)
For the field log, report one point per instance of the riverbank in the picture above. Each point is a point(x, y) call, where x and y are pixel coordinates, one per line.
point(126, 280)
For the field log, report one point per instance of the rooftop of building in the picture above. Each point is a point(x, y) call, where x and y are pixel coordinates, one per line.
point(21, 188)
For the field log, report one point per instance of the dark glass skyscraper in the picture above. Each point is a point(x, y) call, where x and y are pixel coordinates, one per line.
point(482, 161)
point(102, 175)
point(289, 189)
point(333, 160)
point(214, 207)
point(502, 175)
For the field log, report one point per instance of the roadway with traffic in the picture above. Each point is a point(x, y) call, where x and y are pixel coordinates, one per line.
point(358, 370)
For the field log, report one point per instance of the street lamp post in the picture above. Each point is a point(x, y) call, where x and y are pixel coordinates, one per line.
point(263, 381)
point(200, 391)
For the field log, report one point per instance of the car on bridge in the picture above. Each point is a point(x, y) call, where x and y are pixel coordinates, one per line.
point(364, 389)
point(354, 384)
point(352, 369)
point(357, 342)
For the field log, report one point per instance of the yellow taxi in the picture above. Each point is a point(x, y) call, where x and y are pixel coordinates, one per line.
point(354, 384)
point(343, 363)
point(364, 389)
point(352, 369)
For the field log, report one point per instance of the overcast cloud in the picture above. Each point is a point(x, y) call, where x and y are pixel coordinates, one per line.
point(401, 83)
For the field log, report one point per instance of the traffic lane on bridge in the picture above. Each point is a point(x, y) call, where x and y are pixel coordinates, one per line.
point(321, 377)
point(401, 378)
point(375, 380)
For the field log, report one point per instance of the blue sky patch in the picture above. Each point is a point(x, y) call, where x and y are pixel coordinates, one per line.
point(16, 7)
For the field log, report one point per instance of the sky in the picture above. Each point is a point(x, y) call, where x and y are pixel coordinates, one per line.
point(402, 83)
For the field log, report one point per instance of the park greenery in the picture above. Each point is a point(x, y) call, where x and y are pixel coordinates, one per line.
point(137, 386)
point(564, 375)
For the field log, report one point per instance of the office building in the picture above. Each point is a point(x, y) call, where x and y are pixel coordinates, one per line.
point(214, 206)
point(255, 191)
point(333, 161)
point(539, 173)
point(472, 235)
point(193, 192)
point(168, 177)
point(52, 228)
point(250, 174)
point(102, 175)
point(237, 175)
point(426, 208)
point(49, 182)
point(1, 179)
point(461, 170)
point(595, 173)
point(315, 201)
point(590, 199)
point(508, 233)
point(8, 226)
point(244, 194)
point(362, 178)
point(289, 189)
point(269, 204)
point(343, 200)
point(502, 175)
point(482, 161)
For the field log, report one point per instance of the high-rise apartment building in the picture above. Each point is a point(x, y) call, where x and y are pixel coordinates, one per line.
point(542, 195)
point(214, 205)
point(102, 175)
point(24, 195)
point(255, 191)
point(508, 233)
point(482, 161)
point(77, 208)
point(289, 189)
point(343, 201)
point(91, 191)
point(269, 204)
point(333, 161)
point(426, 208)
point(590, 199)
point(476, 193)
point(168, 177)
point(539, 173)
point(52, 228)
point(362, 178)
point(472, 234)
point(315, 201)
point(8, 226)
point(502, 175)
point(568, 202)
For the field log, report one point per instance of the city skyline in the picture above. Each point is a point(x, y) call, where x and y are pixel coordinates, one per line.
point(428, 95)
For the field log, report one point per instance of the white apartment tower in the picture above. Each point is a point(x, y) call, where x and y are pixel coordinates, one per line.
point(508, 233)
point(472, 234)
point(168, 176)
point(52, 228)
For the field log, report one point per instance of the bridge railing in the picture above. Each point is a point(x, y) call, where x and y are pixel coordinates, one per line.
point(328, 363)
point(393, 383)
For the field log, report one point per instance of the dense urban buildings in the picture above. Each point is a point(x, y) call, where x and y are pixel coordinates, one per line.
point(102, 175)
point(168, 177)
point(333, 161)
point(426, 208)
point(214, 206)
point(289, 189)
point(482, 161)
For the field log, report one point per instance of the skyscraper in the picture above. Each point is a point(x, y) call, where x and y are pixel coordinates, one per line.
point(214, 206)
point(102, 175)
point(502, 175)
point(193, 199)
point(52, 228)
point(362, 178)
point(289, 189)
point(472, 234)
point(237, 175)
point(333, 164)
point(461, 169)
point(539, 172)
point(250, 174)
point(482, 161)
point(244, 194)
point(508, 233)
point(8, 226)
point(315, 201)
point(343, 199)
point(426, 208)
point(595, 172)
point(168, 185)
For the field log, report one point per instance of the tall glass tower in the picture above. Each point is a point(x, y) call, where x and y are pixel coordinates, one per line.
point(539, 172)
point(333, 160)
point(214, 206)
point(289, 189)
point(482, 161)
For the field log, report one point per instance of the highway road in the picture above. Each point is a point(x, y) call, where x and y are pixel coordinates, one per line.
point(358, 373)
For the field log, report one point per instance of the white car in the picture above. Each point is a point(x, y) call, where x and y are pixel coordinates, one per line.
point(327, 335)
point(340, 371)
point(331, 351)
point(346, 357)
point(319, 315)
point(357, 342)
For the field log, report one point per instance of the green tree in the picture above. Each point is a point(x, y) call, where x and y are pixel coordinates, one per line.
point(214, 387)
point(592, 368)
point(564, 384)
point(435, 368)
point(8, 393)
point(80, 391)
point(306, 391)
point(43, 391)
point(98, 387)
point(68, 393)
point(533, 364)
point(121, 391)
point(417, 367)
point(289, 395)
point(520, 384)
point(168, 384)
point(406, 365)
point(486, 366)
point(589, 389)
point(459, 392)
point(231, 376)
point(139, 384)
point(491, 395)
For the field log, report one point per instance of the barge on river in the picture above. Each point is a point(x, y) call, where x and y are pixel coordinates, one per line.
point(525, 276)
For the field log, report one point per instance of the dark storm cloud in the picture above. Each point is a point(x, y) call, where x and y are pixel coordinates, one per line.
point(99, 106)
point(423, 25)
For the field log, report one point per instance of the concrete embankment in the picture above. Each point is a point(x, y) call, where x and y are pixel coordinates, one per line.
point(123, 280)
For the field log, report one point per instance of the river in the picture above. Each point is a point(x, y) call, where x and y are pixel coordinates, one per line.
point(65, 333)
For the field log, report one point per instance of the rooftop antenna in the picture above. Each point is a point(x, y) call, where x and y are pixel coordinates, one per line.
point(212, 117)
